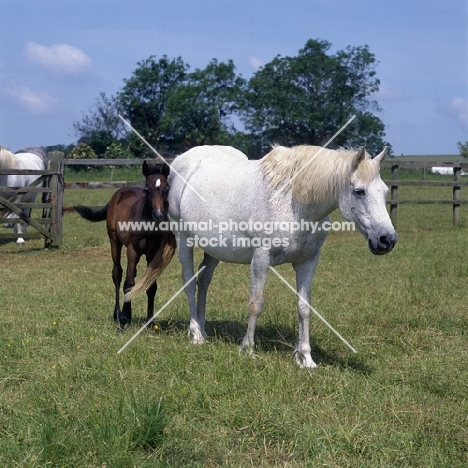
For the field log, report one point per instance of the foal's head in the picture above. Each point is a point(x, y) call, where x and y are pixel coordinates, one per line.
point(156, 189)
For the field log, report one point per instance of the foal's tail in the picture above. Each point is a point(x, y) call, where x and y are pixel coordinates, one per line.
point(159, 263)
point(92, 215)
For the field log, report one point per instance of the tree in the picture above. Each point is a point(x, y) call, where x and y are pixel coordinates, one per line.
point(81, 151)
point(102, 125)
point(200, 110)
point(303, 99)
point(463, 148)
point(306, 99)
point(144, 99)
point(65, 149)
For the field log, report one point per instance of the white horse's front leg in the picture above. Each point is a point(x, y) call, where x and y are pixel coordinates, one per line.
point(258, 275)
point(304, 274)
point(204, 280)
point(186, 260)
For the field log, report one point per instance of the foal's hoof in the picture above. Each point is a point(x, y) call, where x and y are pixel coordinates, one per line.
point(122, 324)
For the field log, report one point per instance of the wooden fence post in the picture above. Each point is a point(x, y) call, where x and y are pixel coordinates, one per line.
point(456, 195)
point(394, 194)
point(57, 187)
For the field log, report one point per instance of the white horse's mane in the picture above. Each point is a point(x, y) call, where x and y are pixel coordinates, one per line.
point(7, 158)
point(321, 173)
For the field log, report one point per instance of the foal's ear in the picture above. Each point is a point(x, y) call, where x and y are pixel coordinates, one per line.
point(165, 169)
point(380, 157)
point(145, 169)
point(359, 157)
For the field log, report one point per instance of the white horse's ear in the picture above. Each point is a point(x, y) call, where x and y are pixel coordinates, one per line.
point(359, 157)
point(380, 157)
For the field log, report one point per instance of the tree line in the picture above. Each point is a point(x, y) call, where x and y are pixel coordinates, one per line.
point(304, 99)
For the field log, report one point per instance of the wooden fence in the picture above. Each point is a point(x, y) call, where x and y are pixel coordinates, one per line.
point(394, 183)
point(456, 185)
point(50, 225)
point(50, 185)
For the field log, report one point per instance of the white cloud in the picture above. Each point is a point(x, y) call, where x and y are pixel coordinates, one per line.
point(58, 58)
point(34, 102)
point(254, 63)
point(386, 93)
point(459, 108)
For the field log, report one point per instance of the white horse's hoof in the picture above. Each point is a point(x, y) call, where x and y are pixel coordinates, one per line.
point(198, 340)
point(20, 241)
point(246, 348)
point(309, 366)
point(197, 337)
point(304, 361)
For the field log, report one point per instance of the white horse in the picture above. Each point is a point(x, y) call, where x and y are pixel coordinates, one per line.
point(28, 158)
point(256, 212)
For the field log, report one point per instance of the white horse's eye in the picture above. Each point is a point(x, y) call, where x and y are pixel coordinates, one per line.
point(359, 192)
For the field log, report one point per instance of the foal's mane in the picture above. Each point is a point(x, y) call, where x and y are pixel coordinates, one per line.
point(7, 158)
point(321, 173)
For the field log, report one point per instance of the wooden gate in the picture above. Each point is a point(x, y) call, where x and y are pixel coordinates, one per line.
point(50, 184)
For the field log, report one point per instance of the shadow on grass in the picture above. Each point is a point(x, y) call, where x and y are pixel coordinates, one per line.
point(268, 339)
point(273, 339)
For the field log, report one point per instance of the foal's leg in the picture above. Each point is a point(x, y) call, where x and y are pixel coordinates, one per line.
point(204, 280)
point(258, 275)
point(304, 274)
point(116, 251)
point(151, 294)
point(132, 261)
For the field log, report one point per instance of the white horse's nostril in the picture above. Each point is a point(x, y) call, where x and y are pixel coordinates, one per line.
point(384, 241)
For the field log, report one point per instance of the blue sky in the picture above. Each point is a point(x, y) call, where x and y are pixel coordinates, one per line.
point(56, 56)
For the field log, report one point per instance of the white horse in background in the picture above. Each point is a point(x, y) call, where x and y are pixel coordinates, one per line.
point(246, 194)
point(28, 158)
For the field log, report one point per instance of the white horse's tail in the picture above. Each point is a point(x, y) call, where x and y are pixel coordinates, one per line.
point(159, 263)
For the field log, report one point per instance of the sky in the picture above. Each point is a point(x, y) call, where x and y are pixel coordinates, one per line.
point(57, 56)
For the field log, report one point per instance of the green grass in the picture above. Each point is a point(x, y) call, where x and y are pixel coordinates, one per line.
point(69, 400)
point(103, 173)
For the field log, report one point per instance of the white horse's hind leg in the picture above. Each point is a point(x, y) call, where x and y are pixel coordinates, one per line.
point(304, 274)
point(186, 260)
point(258, 275)
point(204, 280)
point(10, 225)
point(20, 228)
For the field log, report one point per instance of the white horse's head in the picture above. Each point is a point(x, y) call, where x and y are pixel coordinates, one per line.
point(363, 201)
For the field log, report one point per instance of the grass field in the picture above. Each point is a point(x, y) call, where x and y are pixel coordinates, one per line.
point(69, 400)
